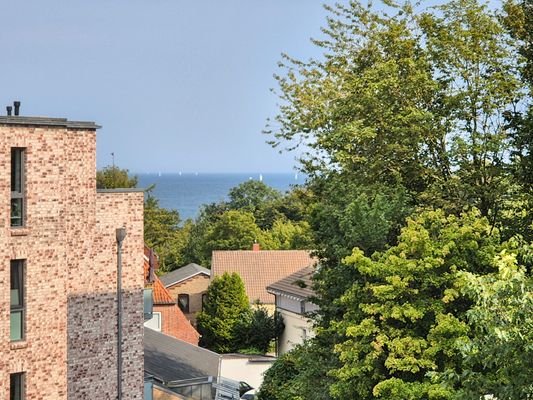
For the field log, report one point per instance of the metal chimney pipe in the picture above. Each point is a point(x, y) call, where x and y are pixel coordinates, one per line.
point(17, 107)
point(9, 108)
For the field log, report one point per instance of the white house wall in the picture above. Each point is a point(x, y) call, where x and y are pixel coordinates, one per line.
point(242, 369)
point(297, 329)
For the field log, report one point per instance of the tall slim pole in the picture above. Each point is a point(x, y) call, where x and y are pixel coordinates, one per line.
point(120, 234)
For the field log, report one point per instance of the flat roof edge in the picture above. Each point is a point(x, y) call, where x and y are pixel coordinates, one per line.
point(46, 121)
point(121, 190)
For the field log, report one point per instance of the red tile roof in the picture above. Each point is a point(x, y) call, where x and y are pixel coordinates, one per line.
point(160, 293)
point(259, 269)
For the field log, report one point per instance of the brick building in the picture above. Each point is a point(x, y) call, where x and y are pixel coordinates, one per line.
point(167, 317)
point(188, 286)
point(58, 251)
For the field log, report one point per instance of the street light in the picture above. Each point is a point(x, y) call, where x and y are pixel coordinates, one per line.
point(120, 235)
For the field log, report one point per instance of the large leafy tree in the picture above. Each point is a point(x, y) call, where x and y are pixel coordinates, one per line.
point(164, 232)
point(407, 98)
point(408, 110)
point(225, 305)
point(254, 213)
point(519, 19)
point(257, 329)
point(497, 358)
point(407, 312)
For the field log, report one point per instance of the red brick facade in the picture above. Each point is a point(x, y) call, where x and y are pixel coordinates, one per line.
point(69, 247)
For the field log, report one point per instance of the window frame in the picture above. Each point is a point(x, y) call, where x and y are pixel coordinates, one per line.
point(185, 310)
point(18, 174)
point(21, 385)
point(20, 307)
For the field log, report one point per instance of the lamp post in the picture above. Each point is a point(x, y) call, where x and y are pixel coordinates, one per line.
point(120, 235)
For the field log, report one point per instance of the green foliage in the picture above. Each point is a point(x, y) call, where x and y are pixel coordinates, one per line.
point(299, 374)
point(255, 197)
point(254, 213)
point(228, 324)
point(163, 233)
point(406, 315)
point(226, 304)
point(519, 20)
point(407, 99)
point(234, 230)
point(498, 358)
point(257, 329)
point(410, 109)
point(112, 177)
point(288, 235)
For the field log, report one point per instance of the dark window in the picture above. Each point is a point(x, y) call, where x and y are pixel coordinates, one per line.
point(17, 300)
point(17, 186)
point(16, 386)
point(204, 300)
point(302, 307)
point(183, 302)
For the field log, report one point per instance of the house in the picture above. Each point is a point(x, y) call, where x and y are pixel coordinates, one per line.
point(260, 268)
point(179, 369)
point(187, 286)
point(167, 317)
point(59, 247)
point(292, 302)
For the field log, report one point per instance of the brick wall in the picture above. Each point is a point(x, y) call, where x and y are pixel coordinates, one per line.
point(194, 287)
point(68, 243)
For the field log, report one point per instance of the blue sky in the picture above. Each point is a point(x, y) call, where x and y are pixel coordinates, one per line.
point(176, 85)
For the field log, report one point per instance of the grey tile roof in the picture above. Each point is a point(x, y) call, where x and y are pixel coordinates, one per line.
point(169, 359)
point(183, 273)
point(299, 284)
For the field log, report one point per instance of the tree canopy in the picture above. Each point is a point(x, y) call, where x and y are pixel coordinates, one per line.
point(418, 129)
point(113, 177)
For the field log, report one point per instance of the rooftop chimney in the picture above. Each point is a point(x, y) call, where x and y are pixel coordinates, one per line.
point(256, 247)
point(16, 104)
point(9, 108)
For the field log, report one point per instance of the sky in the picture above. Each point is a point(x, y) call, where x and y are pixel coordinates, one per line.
point(176, 85)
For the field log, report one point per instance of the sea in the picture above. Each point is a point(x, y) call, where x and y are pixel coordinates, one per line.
point(187, 192)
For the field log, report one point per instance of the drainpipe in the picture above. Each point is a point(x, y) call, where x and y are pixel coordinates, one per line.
point(120, 234)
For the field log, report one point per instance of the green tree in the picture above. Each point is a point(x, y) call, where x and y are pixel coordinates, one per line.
point(410, 99)
point(407, 98)
point(257, 329)
point(288, 235)
point(112, 177)
point(163, 233)
point(519, 20)
point(251, 195)
point(406, 314)
point(497, 358)
point(300, 374)
point(225, 305)
point(234, 230)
